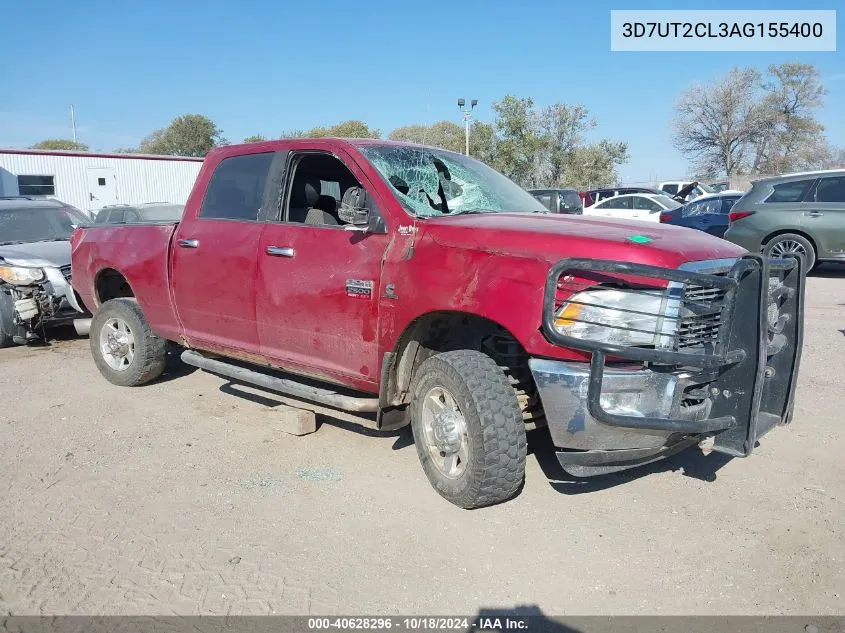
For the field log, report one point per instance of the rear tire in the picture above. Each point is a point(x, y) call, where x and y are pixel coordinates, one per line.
point(125, 349)
point(787, 243)
point(468, 429)
point(8, 328)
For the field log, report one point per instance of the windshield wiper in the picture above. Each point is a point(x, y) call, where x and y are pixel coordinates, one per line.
point(53, 239)
point(14, 242)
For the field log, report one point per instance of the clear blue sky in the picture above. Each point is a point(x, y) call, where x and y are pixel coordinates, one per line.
point(266, 67)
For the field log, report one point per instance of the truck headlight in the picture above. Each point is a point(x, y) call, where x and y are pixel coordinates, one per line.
point(20, 275)
point(620, 317)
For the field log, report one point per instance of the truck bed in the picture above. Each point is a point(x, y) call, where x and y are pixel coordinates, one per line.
point(140, 252)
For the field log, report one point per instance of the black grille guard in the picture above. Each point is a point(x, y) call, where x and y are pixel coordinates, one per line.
point(751, 384)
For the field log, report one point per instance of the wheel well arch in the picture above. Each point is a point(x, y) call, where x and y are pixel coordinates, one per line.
point(806, 236)
point(110, 283)
point(442, 331)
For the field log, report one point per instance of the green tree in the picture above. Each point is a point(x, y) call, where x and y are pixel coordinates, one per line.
point(518, 139)
point(255, 138)
point(562, 128)
point(593, 165)
point(344, 129)
point(61, 144)
point(792, 94)
point(482, 142)
point(444, 134)
point(189, 135)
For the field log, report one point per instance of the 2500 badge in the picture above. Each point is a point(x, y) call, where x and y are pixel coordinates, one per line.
point(359, 288)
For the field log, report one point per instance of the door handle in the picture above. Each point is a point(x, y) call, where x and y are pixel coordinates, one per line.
point(280, 251)
point(813, 214)
point(188, 243)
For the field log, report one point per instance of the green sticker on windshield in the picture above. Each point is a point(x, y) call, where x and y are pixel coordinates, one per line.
point(639, 239)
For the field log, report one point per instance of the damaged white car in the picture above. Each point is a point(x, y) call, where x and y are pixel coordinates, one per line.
point(35, 276)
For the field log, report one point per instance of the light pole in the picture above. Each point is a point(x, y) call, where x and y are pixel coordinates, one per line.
point(467, 117)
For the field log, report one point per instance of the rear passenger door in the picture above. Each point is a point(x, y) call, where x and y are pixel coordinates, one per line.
point(824, 216)
point(213, 265)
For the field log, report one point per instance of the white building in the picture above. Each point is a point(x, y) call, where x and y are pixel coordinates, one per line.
point(90, 180)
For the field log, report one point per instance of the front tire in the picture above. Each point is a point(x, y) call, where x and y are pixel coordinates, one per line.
point(125, 349)
point(789, 243)
point(8, 328)
point(468, 429)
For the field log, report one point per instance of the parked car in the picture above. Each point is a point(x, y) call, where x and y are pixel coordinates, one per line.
point(594, 196)
point(634, 206)
point(147, 212)
point(559, 200)
point(35, 291)
point(707, 213)
point(423, 287)
point(795, 213)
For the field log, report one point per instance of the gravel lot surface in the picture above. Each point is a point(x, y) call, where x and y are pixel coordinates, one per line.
point(181, 497)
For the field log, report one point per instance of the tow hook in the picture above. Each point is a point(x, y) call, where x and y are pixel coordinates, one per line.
point(706, 444)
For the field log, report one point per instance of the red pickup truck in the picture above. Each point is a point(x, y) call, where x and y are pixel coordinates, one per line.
point(421, 287)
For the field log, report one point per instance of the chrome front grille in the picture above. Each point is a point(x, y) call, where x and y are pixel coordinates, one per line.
point(700, 317)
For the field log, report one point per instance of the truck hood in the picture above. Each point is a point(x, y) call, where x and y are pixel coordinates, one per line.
point(553, 237)
point(53, 254)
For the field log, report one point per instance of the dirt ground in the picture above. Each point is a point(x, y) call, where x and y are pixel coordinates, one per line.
point(181, 497)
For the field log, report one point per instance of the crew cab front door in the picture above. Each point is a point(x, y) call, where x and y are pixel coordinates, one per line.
point(318, 283)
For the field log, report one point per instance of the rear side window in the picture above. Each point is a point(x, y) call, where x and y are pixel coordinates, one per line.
point(831, 190)
point(643, 203)
point(616, 203)
point(545, 199)
point(727, 204)
point(790, 191)
point(570, 200)
point(702, 207)
point(236, 189)
point(670, 189)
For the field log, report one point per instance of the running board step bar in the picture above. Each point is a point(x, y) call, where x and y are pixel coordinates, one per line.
point(281, 385)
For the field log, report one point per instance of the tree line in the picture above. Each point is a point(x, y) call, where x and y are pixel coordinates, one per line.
point(744, 123)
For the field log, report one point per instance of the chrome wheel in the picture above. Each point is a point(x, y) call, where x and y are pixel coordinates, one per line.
point(787, 247)
point(445, 432)
point(117, 344)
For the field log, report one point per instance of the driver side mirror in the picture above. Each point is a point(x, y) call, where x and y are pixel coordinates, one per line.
point(359, 213)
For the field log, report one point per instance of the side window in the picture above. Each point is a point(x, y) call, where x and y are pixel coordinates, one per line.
point(673, 189)
point(727, 205)
point(316, 189)
point(116, 216)
point(831, 190)
point(236, 189)
point(790, 191)
point(570, 200)
point(546, 200)
point(102, 216)
point(641, 203)
point(702, 207)
point(131, 216)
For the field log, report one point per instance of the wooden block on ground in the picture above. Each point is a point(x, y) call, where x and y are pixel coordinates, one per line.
point(294, 421)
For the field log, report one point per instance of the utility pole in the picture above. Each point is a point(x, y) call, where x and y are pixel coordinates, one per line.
point(73, 122)
point(467, 117)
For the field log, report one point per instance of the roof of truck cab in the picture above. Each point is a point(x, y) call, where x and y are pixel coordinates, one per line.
point(328, 140)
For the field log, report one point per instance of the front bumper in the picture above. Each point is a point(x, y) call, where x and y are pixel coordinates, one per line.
point(47, 304)
point(735, 387)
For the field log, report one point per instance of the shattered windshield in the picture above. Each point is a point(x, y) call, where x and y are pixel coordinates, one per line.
point(430, 182)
